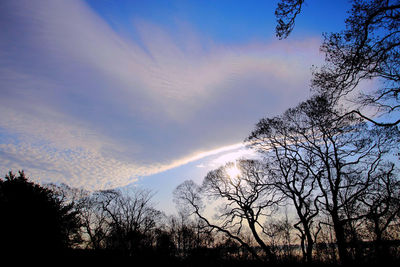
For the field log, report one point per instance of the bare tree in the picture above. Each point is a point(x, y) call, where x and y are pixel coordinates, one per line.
point(367, 50)
point(95, 221)
point(248, 198)
point(188, 195)
point(130, 217)
point(338, 151)
point(289, 163)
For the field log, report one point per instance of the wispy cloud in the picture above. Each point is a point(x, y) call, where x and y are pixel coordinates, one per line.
point(86, 106)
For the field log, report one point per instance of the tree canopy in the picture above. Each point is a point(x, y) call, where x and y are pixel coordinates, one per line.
point(34, 220)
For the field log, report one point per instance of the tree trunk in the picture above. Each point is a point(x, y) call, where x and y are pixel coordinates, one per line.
point(267, 249)
point(340, 239)
point(310, 244)
point(378, 242)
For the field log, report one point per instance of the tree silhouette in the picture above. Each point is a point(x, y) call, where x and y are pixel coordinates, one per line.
point(33, 220)
point(286, 13)
point(288, 168)
point(382, 204)
point(95, 223)
point(247, 197)
point(128, 218)
point(340, 153)
point(367, 50)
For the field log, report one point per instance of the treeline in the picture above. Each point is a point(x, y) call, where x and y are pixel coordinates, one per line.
point(43, 222)
point(122, 226)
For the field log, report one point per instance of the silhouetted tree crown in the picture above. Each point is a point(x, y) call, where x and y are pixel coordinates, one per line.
point(32, 218)
point(286, 13)
point(368, 49)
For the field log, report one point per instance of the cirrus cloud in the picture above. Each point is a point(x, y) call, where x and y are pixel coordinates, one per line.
point(84, 105)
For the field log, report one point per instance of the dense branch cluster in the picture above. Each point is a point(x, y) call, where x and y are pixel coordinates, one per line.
point(368, 50)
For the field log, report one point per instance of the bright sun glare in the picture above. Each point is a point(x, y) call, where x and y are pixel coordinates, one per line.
point(233, 171)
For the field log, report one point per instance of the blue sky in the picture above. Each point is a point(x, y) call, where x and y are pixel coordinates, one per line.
point(103, 94)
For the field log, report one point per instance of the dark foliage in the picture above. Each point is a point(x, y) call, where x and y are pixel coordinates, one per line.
point(33, 221)
point(286, 14)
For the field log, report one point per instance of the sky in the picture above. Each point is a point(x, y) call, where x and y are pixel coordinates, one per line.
point(104, 94)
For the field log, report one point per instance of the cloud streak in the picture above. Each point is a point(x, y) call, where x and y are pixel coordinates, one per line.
point(84, 105)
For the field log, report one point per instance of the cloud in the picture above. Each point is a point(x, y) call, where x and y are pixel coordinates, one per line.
point(79, 168)
point(87, 106)
point(243, 153)
point(224, 156)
